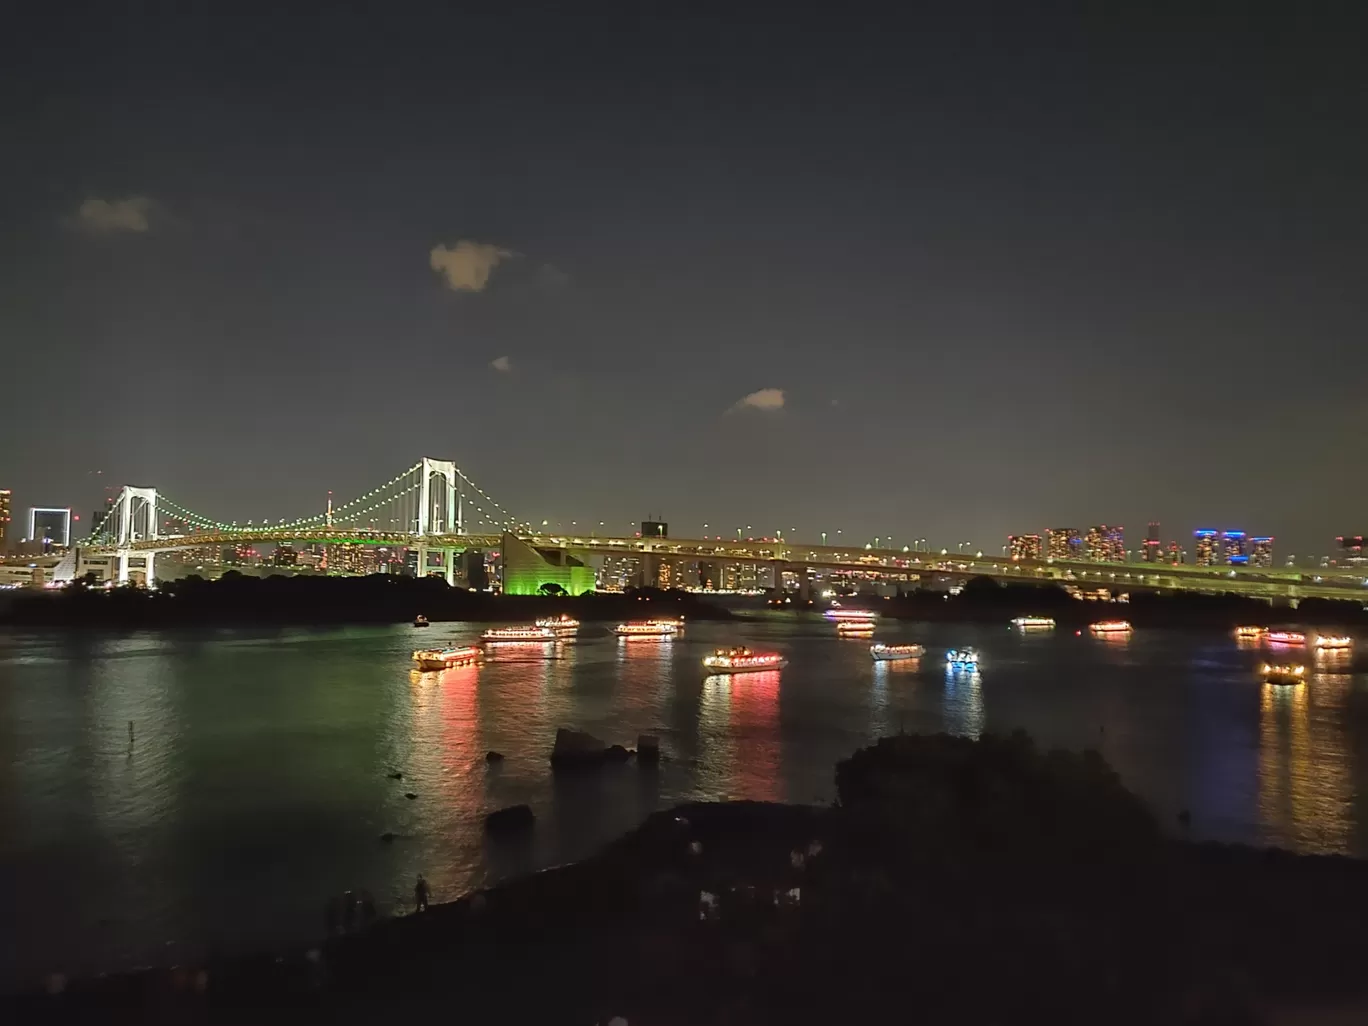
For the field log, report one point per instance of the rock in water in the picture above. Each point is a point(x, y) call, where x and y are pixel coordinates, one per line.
point(616, 753)
point(648, 748)
point(575, 748)
point(410, 795)
point(512, 820)
point(396, 775)
point(493, 757)
point(387, 837)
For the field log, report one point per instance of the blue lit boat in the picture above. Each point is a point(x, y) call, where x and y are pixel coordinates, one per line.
point(966, 658)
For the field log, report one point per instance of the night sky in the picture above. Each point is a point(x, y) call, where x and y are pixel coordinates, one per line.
point(981, 275)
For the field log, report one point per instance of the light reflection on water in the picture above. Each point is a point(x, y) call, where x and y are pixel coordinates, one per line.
point(258, 781)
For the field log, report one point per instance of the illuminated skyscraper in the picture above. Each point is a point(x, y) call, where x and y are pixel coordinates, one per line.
point(1154, 548)
point(1205, 548)
point(1176, 555)
point(1103, 544)
point(1092, 544)
point(1261, 551)
point(1114, 544)
point(1350, 550)
point(1234, 550)
point(4, 520)
point(50, 525)
point(1023, 546)
point(1063, 543)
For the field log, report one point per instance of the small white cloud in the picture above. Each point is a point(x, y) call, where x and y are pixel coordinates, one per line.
point(766, 399)
point(467, 265)
point(502, 364)
point(551, 277)
point(120, 215)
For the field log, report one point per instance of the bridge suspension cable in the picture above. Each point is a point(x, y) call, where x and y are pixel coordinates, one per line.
point(394, 506)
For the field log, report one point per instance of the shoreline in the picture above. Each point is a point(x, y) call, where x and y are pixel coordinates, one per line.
point(776, 912)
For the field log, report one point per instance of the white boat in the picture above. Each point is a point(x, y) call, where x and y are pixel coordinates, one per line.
point(883, 652)
point(1250, 633)
point(1038, 622)
point(519, 634)
point(560, 624)
point(1282, 673)
point(855, 629)
point(647, 629)
point(1111, 627)
point(962, 657)
point(840, 614)
point(742, 660)
point(443, 658)
point(1285, 638)
point(1334, 641)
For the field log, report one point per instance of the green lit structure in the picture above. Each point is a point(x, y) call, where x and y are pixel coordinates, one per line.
point(526, 569)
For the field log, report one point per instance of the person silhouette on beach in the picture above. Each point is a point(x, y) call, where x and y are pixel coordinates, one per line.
point(420, 895)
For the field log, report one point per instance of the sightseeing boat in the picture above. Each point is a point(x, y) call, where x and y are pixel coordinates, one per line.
point(1286, 638)
point(532, 633)
point(855, 629)
point(1036, 622)
point(1250, 633)
point(1282, 673)
point(1334, 642)
point(443, 658)
point(840, 614)
point(742, 660)
point(889, 652)
point(962, 658)
point(647, 629)
point(1111, 627)
point(560, 624)
point(420, 620)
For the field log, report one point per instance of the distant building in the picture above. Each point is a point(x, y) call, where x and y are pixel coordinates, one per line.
point(655, 529)
point(473, 569)
point(5, 538)
point(1350, 550)
point(530, 571)
point(285, 555)
point(1063, 543)
point(1103, 544)
point(1261, 551)
point(1234, 548)
point(1176, 554)
point(668, 575)
point(1154, 548)
point(1114, 544)
point(50, 525)
point(707, 576)
point(1023, 546)
point(619, 573)
point(1206, 544)
point(740, 577)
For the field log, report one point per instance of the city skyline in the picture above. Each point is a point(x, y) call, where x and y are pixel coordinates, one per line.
point(897, 279)
point(1016, 544)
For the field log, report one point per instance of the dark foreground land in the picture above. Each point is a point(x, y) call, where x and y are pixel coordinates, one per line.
point(279, 600)
point(235, 600)
point(956, 882)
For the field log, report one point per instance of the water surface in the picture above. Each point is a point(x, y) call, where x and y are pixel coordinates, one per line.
point(256, 782)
